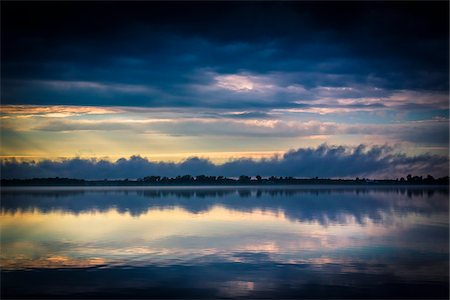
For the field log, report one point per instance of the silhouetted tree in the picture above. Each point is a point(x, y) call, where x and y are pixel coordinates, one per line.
point(244, 179)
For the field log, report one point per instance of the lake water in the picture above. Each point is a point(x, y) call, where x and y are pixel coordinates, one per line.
point(215, 242)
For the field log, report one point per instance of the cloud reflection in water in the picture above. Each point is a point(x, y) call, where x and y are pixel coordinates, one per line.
point(230, 242)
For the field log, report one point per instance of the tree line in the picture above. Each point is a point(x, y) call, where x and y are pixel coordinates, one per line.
point(222, 180)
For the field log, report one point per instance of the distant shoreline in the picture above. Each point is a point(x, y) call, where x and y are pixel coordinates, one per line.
point(202, 180)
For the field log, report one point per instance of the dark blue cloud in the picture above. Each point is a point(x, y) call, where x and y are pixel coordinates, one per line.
point(323, 161)
point(165, 46)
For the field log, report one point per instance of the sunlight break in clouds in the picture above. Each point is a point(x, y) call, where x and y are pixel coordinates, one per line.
point(242, 83)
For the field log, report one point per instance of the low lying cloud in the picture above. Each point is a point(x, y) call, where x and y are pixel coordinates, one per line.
point(323, 161)
point(95, 86)
point(245, 124)
point(54, 111)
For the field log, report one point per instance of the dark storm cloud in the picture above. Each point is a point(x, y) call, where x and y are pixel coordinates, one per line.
point(167, 48)
point(326, 161)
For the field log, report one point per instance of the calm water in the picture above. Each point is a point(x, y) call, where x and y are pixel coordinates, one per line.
point(280, 242)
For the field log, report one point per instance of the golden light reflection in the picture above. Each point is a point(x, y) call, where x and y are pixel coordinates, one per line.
point(58, 239)
point(51, 262)
point(236, 288)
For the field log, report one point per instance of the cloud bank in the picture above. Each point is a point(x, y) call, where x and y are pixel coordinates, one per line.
point(323, 161)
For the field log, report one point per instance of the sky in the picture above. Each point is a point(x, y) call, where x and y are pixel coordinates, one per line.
point(332, 89)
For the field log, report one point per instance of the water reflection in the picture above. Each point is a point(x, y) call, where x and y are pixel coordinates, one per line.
point(313, 204)
point(225, 242)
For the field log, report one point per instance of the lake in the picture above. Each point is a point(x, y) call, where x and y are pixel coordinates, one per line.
point(225, 242)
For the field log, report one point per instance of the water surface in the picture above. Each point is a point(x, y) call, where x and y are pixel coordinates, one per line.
point(210, 242)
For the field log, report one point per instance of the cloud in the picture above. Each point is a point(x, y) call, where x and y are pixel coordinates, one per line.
point(247, 90)
point(250, 124)
point(278, 70)
point(248, 115)
point(323, 161)
point(242, 83)
point(304, 50)
point(96, 86)
point(54, 111)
